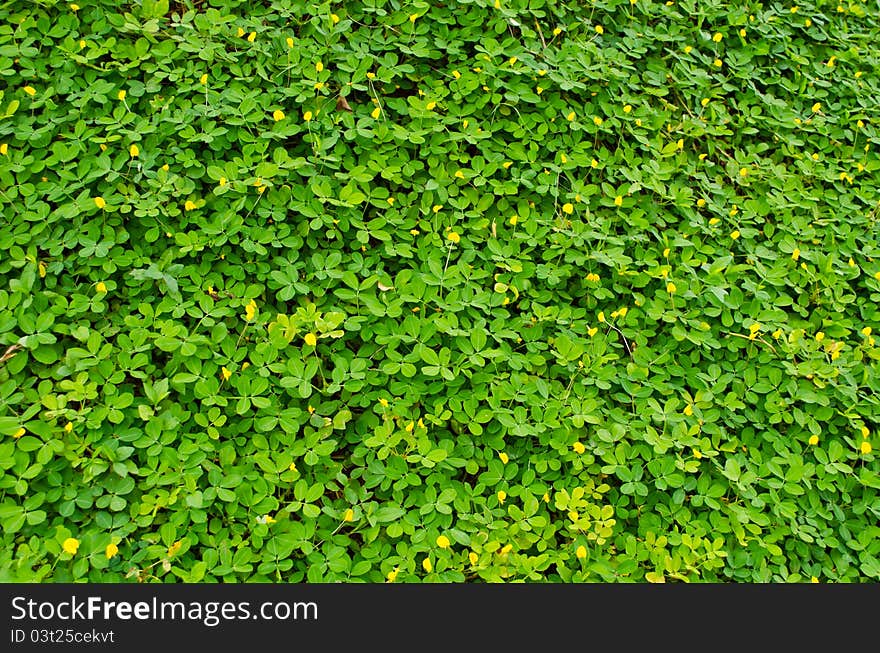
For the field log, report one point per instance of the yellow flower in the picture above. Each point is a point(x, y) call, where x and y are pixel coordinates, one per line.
point(687, 49)
point(120, 95)
point(68, 427)
point(670, 288)
point(473, 557)
point(820, 336)
point(734, 234)
point(82, 44)
point(240, 32)
point(100, 203)
point(278, 114)
point(627, 108)
point(4, 148)
point(592, 331)
point(252, 36)
point(349, 515)
point(292, 467)
point(74, 7)
point(568, 208)
point(796, 254)
point(717, 37)
point(307, 116)
point(581, 552)
point(814, 440)
point(174, 548)
point(376, 113)
point(133, 151)
point(867, 331)
point(597, 120)
point(225, 373)
point(506, 165)
point(504, 457)
point(578, 447)
point(310, 339)
point(599, 29)
point(513, 220)
point(334, 18)
point(111, 550)
point(456, 74)
point(877, 275)
point(430, 106)
point(250, 310)
point(289, 42)
point(101, 287)
point(717, 63)
point(618, 201)
point(204, 79)
point(743, 172)
point(742, 32)
point(392, 575)
point(540, 90)
point(865, 447)
point(688, 410)
point(426, 565)
point(453, 236)
point(319, 66)
point(20, 432)
point(165, 167)
point(70, 545)
point(222, 181)
point(30, 90)
point(816, 107)
point(502, 495)
point(189, 205)
point(443, 541)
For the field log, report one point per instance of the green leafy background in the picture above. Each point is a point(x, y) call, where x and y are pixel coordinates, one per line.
point(592, 291)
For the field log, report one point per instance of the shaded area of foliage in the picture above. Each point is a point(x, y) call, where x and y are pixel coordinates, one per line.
point(474, 291)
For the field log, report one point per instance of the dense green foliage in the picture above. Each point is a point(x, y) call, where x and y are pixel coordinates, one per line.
point(452, 291)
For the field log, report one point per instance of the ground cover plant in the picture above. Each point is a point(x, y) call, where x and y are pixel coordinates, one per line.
point(476, 291)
